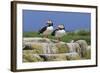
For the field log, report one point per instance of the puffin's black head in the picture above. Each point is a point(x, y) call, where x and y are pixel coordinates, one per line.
point(49, 23)
point(61, 27)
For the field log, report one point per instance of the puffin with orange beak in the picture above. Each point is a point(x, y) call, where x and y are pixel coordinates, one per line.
point(47, 30)
point(59, 32)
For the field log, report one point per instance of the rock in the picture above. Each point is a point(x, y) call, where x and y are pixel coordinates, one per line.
point(54, 57)
point(44, 45)
point(61, 57)
point(44, 49)
point(62, 47)
point(50, 48)
point(35, 49)
point(73, 56)
point(58, 57)
point(89, 47)
point(87, 53)
point(83, 45)
point(35, 39)
point(74, 47)
point(28, 56)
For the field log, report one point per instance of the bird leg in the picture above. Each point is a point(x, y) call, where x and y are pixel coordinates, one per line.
point(45, 36)
point(59, 39)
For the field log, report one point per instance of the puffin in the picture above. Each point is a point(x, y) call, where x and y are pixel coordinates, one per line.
point(59, 32)
point(47, 30)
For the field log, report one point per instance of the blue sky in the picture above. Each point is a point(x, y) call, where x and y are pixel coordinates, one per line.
point(35, 20)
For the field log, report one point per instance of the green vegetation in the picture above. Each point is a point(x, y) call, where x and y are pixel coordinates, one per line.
point(31, 34)
point(35, 34)
point(68, 37)
point(79, 35)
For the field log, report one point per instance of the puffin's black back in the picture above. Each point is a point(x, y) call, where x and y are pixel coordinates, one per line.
point(53, 33)
point(42, 30)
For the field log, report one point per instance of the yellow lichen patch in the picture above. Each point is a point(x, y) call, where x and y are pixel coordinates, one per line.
point(28, 56)
point(62, 48)
point(36, 46)
point(60, 57)
point(87, 54)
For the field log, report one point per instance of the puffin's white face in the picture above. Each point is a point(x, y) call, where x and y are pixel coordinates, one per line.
point(61, 31)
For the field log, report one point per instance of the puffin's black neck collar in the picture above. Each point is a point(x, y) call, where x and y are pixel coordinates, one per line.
point(61, 28)
point(50, 24)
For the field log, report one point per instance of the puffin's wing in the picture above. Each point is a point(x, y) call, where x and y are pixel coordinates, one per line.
point(43, 29)
point(53, 33)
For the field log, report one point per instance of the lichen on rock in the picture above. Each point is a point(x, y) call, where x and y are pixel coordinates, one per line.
point(29, 56)
point(62, 47)
point(44, 49)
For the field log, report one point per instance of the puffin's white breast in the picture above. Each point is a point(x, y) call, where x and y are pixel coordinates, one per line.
point(60, 33)
point(49, 30)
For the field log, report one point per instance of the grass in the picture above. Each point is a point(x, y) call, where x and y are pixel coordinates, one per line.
point(31, 34)
point(68, 38)
point(80, 35)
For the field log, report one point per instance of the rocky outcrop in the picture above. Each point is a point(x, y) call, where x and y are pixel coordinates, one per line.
point(43, 49)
